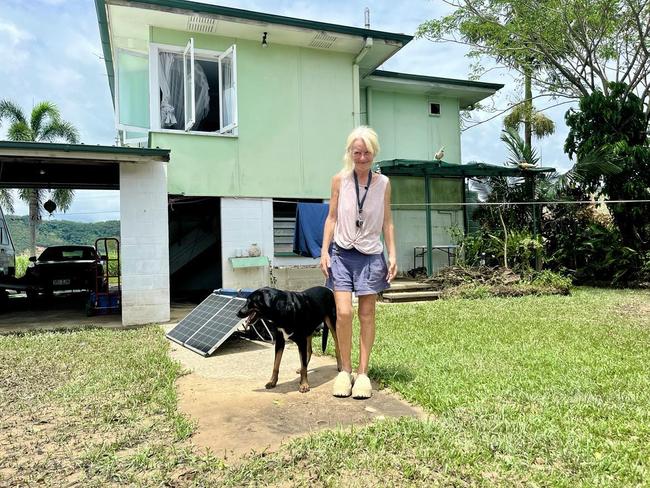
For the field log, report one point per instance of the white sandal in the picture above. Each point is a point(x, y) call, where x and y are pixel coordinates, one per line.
point(342, 385)
point(362, 387)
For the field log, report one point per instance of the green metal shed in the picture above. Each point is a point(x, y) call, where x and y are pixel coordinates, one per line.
point(436, 188)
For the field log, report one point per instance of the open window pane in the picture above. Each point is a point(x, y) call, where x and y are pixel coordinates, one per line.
point(228, 89)
point(132, 90)
point(188, 85)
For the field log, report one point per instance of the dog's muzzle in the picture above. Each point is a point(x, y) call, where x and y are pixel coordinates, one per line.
point(249, 315)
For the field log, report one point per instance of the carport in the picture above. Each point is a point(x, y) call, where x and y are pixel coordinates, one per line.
point(141, 176)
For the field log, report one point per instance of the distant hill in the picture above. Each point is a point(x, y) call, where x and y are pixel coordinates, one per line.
point(52, 232)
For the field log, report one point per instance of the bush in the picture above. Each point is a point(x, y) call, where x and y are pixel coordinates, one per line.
point(550, 279)
point(485, 249)
point(22, 261)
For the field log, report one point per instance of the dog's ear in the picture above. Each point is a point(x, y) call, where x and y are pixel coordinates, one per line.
point(266, 298)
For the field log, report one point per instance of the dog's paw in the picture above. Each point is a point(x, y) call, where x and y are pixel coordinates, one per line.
point(270, 384)
point(303, 388)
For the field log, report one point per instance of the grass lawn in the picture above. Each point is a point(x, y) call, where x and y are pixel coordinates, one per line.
point(534, 391)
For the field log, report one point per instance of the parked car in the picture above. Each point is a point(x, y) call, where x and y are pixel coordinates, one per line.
point(65, 268)
point(7, 261)
point(7, 251)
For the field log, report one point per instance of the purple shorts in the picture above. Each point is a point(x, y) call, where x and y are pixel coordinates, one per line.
point(351, 270)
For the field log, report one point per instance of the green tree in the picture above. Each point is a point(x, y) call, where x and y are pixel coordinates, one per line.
point(570, 48)
point(44, 125)
point(615, 125)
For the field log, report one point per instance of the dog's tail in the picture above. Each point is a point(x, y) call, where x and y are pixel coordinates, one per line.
point(326, 331)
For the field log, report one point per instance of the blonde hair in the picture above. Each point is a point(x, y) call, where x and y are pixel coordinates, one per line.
point(369, 138)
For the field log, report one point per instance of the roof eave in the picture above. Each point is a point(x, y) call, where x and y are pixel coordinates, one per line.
point(235, 13)
point(437, 79)
point(87, 150)
point(468, 92)
point(104, 35)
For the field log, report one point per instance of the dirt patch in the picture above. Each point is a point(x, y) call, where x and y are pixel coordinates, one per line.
point(637, 310)
point(235, 414)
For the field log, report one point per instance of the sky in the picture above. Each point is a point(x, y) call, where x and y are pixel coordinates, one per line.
point(50, 50)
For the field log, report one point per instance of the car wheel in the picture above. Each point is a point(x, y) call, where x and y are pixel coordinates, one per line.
point(32, 296)
point(90, 309)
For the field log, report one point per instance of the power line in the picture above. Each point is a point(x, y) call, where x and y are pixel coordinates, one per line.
point(496, 204)
point(456, 204)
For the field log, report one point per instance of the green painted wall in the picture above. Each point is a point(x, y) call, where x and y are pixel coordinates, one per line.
point(407, 131)
point(295, 111)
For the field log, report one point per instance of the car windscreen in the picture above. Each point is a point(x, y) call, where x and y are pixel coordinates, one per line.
point(66, 254)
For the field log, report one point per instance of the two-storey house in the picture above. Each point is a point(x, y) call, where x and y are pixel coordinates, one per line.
point(255, 109)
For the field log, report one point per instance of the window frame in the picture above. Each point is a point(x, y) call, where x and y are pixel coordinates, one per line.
point(154, 87)
point(430, 103)
point(189, 119)
point(232, 52)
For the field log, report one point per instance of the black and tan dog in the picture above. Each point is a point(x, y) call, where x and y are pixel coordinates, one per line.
point(296, 316)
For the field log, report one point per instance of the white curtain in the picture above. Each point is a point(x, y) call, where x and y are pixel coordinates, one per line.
point(172, 105)
point(167, 107)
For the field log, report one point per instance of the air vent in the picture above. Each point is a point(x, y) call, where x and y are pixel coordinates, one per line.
point(206, 25)
point(323, 41)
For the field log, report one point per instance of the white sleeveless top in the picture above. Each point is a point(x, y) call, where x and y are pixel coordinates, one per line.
point(365, 239)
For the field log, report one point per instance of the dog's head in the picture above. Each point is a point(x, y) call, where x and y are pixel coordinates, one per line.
point(258, 304)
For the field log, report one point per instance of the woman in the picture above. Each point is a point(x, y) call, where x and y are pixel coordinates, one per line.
point(359, 211)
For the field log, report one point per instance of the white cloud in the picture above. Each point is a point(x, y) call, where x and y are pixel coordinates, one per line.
point(14, 34)
point(14, 47)
point(82, 49)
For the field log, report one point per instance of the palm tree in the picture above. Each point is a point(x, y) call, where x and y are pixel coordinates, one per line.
point(534, 122)
point(45, 125)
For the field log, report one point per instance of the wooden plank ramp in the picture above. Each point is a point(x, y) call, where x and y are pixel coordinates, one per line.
point(409, 291)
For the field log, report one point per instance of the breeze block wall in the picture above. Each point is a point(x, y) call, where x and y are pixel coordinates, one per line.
point(144, 243)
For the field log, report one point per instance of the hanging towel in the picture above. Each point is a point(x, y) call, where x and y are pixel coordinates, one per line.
point(310, 220)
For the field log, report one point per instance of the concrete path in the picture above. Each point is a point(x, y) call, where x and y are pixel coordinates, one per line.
point(225, 394)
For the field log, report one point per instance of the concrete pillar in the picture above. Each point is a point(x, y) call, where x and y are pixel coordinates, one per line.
point(245, 221)
point(144, 243)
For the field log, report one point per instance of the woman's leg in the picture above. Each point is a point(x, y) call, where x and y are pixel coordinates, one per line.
point(344, 327)
point(367, 335)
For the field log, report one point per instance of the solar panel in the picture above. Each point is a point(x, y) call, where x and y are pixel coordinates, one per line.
point(206, 327)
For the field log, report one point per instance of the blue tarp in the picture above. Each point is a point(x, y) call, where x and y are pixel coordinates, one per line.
point(310, 220)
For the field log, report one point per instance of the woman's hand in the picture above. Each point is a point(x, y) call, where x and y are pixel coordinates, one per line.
point(325, 264)
point(392, 268)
